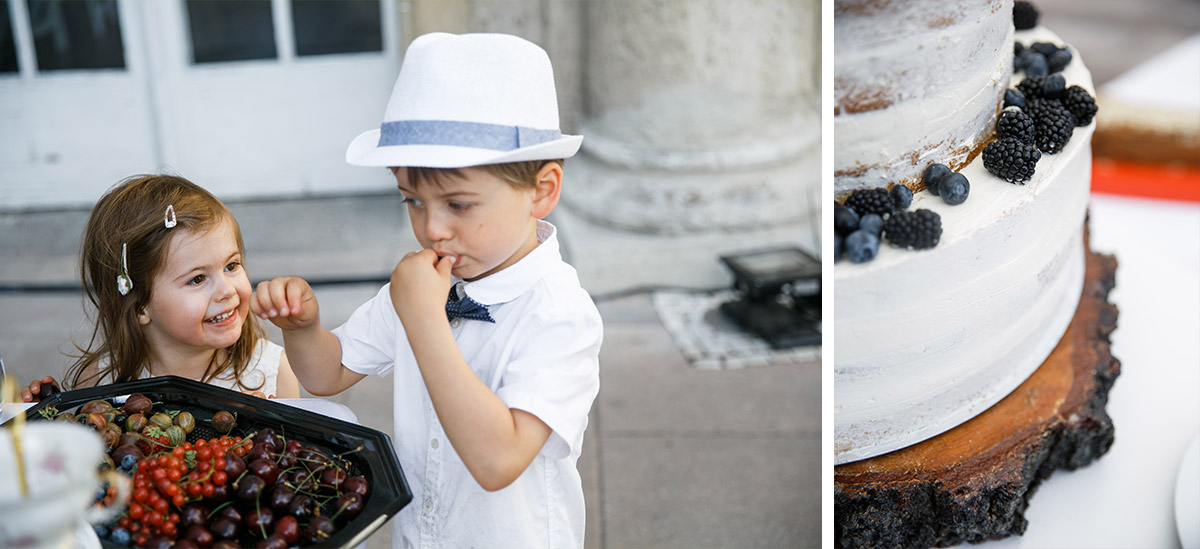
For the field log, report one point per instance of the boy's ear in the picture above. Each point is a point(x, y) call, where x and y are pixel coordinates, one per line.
point(547, 189)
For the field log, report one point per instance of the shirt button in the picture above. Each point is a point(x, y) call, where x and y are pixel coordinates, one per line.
point(456, 323)
point(434, 443)
point(428, 506)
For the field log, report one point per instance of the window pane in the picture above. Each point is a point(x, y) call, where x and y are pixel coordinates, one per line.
point(231, 30)
point(336, 26)
point(8, 46)
point(76, 34)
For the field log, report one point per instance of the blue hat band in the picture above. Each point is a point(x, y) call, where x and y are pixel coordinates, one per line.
point(453, 133)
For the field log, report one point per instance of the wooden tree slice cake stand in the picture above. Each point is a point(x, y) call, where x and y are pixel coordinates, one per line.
point(973, 483)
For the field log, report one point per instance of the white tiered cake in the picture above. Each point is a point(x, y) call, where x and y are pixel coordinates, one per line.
point(927, 339)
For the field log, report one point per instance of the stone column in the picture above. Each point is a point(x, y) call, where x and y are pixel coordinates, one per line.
point(702, 135)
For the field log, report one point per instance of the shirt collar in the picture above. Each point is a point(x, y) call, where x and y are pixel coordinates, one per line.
point(514, 280)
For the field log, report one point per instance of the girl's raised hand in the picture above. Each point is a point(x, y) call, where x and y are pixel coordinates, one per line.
point(40, 389)
point(286, 301)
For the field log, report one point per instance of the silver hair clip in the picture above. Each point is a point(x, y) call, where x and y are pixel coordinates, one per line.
point(124, 283)
point(169, 217)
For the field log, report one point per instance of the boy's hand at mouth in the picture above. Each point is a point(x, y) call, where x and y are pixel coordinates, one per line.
point(420, 284)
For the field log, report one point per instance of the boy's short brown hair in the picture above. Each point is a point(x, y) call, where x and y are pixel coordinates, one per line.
point(518, 174)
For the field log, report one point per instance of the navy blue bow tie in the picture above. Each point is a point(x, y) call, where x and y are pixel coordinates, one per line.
point(466, 307)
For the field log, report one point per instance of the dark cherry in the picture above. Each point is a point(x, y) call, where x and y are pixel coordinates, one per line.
point(194, 514)
point(293, 446)
point(159, 543)
point(319, 530)
point(234, 465)
point(250, 487)
point(259, 521)
point(333, 477)
point(272, 542)
point(358, 485)
point(301, 507)
point(226, 544)
point(230, 513)
point(288, 528)
point(199, 535)
point(224, 529)
point(348, 506)
point(257, 452)
point(264, 469)
point(280, 497)
point(272, 441)
point(186, 544)
point(221, 493)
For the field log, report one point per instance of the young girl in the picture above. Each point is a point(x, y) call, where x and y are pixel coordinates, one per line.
point(162, 266)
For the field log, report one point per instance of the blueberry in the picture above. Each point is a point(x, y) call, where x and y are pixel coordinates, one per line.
point(1053, 86)
point(101, 530)
point(871, 223)
point(1058, 60)
point(933, 177)
point(1044, 48)
point(120, 536)
point(1018, 62)
point(128, 462)
point(861, 246)
point(955, 189)
point(837, 247)
point(901, 196)
point(1014, 98)
point(845, 221)
point(1035, 65)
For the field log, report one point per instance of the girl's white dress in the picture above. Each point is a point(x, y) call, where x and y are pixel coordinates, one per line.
point(263, 368)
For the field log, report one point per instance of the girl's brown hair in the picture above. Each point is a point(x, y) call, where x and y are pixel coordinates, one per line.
point(132, 213)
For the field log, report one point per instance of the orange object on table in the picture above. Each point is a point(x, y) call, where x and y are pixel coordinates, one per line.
point(1163, 181)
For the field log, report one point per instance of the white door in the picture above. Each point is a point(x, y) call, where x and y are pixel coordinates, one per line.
point(248, 98)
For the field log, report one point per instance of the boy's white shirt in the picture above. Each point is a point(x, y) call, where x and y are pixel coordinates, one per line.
point(541, 356)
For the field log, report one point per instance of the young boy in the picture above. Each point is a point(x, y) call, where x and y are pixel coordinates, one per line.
point(494, 384)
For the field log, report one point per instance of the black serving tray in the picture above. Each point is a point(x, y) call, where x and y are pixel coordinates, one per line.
point(376, 460)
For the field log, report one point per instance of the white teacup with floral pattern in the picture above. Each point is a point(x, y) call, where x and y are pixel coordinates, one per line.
point(61, 472)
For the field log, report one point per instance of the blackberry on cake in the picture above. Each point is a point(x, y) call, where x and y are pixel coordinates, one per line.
point(901, 197)
point(932, 177)
point(1049, 86)
point(837, 247)
point(872, 223)
point(845, 220)
point(876, 201)
point(1053, 129)
point(916, 230)
point(955, 188)
point(1011, 159)
point(861, 246)
point(1025, 16)
point(1081, 104)
point(1015, 124)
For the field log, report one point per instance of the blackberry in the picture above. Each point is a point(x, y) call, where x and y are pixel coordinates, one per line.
point(955, 188)
point(920, 229)
point(876, 201)
point(1014, 98)
point(845, 220)
point(1081, 105)
point(837, 247)
point(1049, 86)
point(1053, 129)
point(1058, 60)
point(861, 246)
point(901, 197)
point(932, 178)
point(1025, 16)
point(1011, 160)
point(1015, 124)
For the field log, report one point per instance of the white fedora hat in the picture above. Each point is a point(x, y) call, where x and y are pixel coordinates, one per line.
point(468, 100)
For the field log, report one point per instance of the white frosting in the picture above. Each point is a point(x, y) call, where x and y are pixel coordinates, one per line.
point(928, 339)
point(941, 67)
